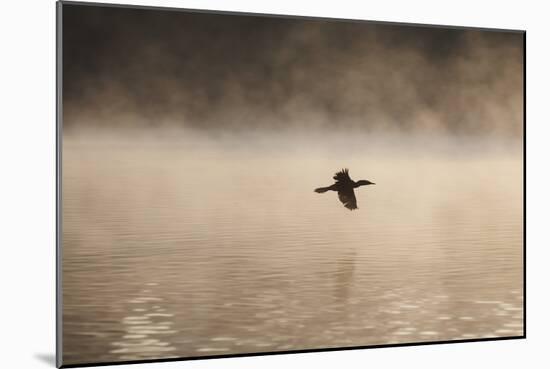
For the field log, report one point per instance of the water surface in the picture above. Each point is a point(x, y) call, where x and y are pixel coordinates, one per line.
point(179, 248)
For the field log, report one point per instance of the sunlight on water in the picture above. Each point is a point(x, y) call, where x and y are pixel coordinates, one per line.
point(184, 250)
point(145, 329)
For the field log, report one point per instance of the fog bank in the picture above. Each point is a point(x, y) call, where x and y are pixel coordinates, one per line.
point(141, 68)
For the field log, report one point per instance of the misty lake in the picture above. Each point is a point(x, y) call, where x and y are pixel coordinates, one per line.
point(194, 247)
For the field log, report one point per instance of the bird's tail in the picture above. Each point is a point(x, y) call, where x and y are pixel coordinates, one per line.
point(322, 189)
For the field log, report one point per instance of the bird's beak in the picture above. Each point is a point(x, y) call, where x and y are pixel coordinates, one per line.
point(372, 183)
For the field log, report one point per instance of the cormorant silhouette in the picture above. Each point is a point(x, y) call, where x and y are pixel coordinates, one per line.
point(344, 185)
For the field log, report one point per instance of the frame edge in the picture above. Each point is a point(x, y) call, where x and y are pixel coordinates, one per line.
point(58, 210)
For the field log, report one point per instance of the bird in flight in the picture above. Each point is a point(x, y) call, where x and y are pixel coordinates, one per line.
point(344, 185)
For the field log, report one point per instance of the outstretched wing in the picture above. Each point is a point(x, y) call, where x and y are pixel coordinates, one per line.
point(347, 197)
point(342, 176)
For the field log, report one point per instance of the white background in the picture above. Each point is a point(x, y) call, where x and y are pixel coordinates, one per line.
point(27, 163)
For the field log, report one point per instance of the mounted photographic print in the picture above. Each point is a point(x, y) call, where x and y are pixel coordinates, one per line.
point(243, 184)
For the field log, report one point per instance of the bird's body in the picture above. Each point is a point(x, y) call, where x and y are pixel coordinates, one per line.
point(344, 185)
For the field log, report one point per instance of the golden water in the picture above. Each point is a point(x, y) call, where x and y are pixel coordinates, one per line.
point(179, 250)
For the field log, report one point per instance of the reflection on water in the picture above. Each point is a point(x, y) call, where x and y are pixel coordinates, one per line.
point(145, 327)
point(186, 250)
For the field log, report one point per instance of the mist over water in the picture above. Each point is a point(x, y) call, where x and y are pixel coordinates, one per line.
point(128, 67)
point(188, 244)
